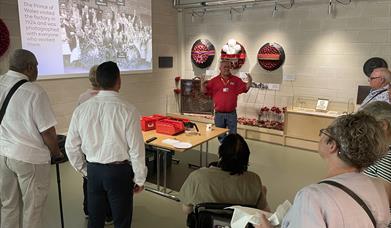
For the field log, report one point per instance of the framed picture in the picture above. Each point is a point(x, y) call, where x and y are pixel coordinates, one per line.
point(322, 104)
point(193, 100)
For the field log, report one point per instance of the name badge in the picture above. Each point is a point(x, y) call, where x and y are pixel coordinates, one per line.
point(225, 89)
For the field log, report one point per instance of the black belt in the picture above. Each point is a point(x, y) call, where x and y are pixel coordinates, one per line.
point(124, 162)
point(225, 112)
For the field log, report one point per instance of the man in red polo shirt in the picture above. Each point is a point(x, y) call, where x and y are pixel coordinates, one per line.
point(224, 90)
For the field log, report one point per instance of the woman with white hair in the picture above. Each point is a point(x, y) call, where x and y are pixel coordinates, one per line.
point(94, 86)
point(350, 144)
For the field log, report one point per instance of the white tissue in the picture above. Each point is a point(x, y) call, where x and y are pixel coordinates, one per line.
point(244, 215)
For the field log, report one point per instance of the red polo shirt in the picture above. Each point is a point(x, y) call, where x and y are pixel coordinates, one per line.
point(225, 92)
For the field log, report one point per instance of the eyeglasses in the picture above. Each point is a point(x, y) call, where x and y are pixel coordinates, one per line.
point(324, 131)
point(373, 78)
point(341, 154)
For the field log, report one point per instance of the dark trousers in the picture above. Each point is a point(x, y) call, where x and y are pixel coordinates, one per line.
point(109, 215)
point(114, 182)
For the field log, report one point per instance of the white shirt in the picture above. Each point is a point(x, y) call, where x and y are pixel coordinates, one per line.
point(323, 205)
point(376, 95)
point(106, 129)
point(28, 114)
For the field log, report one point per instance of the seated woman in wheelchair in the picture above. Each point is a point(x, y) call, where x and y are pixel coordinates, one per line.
point(227, 182)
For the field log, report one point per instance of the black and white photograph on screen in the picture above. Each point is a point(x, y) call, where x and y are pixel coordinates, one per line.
point(95, 31)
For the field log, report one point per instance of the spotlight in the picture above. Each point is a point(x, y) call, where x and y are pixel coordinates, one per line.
point(275, 9)
point(331, 6)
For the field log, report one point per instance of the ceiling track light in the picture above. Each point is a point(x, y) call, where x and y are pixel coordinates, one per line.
point(275, 9)
point(331, 7)
point(240, 11)
point(333, 3)
point(197, 14)
point(291, 3)
point(343, 2)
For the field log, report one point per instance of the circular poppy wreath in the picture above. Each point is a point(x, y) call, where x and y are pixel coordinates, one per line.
point(202, 53)
point(4, 38)
point(271, 56)
point(236, 59)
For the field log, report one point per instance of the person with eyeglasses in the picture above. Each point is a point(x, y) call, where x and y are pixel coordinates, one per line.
point(379, 81)
point(349, 145)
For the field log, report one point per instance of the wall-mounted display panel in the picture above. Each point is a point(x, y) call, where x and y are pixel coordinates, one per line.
point(70, 36)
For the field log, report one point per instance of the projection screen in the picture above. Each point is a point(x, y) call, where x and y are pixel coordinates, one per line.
point(70, 36)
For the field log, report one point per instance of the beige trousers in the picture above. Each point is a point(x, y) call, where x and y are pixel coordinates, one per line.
point(27, 182)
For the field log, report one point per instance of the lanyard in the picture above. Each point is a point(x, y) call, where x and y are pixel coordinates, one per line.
point(224, 82)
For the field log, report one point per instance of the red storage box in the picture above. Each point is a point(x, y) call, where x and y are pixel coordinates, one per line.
point(169, 127)
point(149, 122)
point(178, 119)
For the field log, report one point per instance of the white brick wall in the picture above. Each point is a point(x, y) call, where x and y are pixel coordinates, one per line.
point(147, 92)
point(325, 52)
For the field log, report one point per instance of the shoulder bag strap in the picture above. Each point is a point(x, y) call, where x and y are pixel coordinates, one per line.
point(354, 196)
point(377, 94)
point(8, 98)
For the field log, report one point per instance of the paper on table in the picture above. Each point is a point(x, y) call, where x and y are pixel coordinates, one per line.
point(170, 141)
point(182, 145)
point(244, 215)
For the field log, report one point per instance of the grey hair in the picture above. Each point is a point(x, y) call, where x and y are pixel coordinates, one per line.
point(380, 110)
point(21, 59)
point(360, 138)
point(384, 73)
point(92, 76)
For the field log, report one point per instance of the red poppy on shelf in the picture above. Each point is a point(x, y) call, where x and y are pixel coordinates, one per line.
point(177, 91)
point(264, 109)
point(177, 78)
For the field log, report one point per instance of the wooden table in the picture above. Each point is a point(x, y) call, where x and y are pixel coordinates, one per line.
point(199, 139)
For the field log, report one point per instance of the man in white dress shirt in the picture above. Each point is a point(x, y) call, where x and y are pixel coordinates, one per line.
point(28, 141)
point(106, 129)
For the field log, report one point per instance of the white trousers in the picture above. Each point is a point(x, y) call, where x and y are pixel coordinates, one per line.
point(27, 182)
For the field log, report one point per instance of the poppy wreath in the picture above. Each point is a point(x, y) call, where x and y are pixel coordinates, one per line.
point(4, 38)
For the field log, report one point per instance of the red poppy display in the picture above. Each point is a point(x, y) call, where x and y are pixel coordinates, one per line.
point(202, 53)
point(271, 56)
point(237, 59)
point(4, 38)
